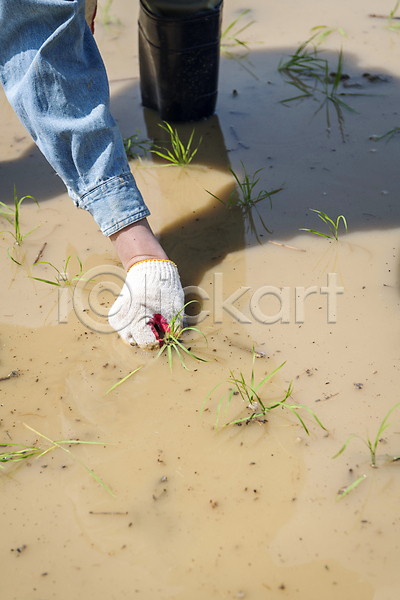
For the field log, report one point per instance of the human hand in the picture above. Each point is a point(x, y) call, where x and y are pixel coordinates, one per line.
point(152, 295)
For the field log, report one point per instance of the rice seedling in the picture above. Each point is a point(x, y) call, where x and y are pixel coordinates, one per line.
point(334, 227)
point(324, 31)
point(389, 18)
point(388, 134)
point(169, 335)
point(393, 12)
point(230, 38)
point(180, 155)
point(251, 225)
point(106, 17)
point(331, 94)
point(371, 444)
point(306, 65)
point(390, 24)
point(304, 62)
point(343, 492)
point(249, 393)
point(13, 218)
point(134, 147)
point(123, 379)
point(61, 279)
point(243, 196)
point(169, 339)
point(25, 452)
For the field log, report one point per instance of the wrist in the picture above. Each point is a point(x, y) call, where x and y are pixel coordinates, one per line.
point(137, 243)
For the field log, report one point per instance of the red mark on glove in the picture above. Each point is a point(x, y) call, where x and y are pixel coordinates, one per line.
point(159, 326)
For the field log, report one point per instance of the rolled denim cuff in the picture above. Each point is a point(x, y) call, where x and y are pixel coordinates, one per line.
point(115, 203)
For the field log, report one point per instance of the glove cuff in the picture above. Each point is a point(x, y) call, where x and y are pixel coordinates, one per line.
point(164, 260)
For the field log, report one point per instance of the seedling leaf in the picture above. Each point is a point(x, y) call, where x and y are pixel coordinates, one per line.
point(122, 380)
point(350, 487)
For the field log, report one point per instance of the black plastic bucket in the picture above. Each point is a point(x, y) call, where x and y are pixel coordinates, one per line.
point(179, 63)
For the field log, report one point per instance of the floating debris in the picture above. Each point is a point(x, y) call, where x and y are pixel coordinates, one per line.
point(14, 373)
point(40, 253)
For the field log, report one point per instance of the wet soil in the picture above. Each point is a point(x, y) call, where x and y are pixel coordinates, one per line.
point(198, 512)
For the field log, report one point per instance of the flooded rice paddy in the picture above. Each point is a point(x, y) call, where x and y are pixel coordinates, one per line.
point(199, 510)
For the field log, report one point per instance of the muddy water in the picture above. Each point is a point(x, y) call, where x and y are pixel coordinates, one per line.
point(242, 512)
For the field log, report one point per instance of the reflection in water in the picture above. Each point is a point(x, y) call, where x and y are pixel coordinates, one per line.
point(202, 240)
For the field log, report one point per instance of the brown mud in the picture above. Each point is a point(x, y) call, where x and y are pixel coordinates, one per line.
point(243, 512)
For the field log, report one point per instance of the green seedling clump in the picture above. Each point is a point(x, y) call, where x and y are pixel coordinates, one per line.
point(249, 393)
point(305, 65)
point(61, 279)
point(229, 38)
point(372, 445)
point(333, 226)
point(243, 196)
point(304, 62)
point(133, 146)
point(181, 156)
point(170, 342)
point(246, 199)
point(24, 452)
point(13, 218)
point(230, 41)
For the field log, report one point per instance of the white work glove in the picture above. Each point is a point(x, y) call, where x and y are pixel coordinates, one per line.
point(90, 13)
point(152, 295)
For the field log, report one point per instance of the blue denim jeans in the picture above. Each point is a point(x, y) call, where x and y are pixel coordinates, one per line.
point(54, 78)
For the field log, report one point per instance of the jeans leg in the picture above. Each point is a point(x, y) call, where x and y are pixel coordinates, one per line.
point(55, 80)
